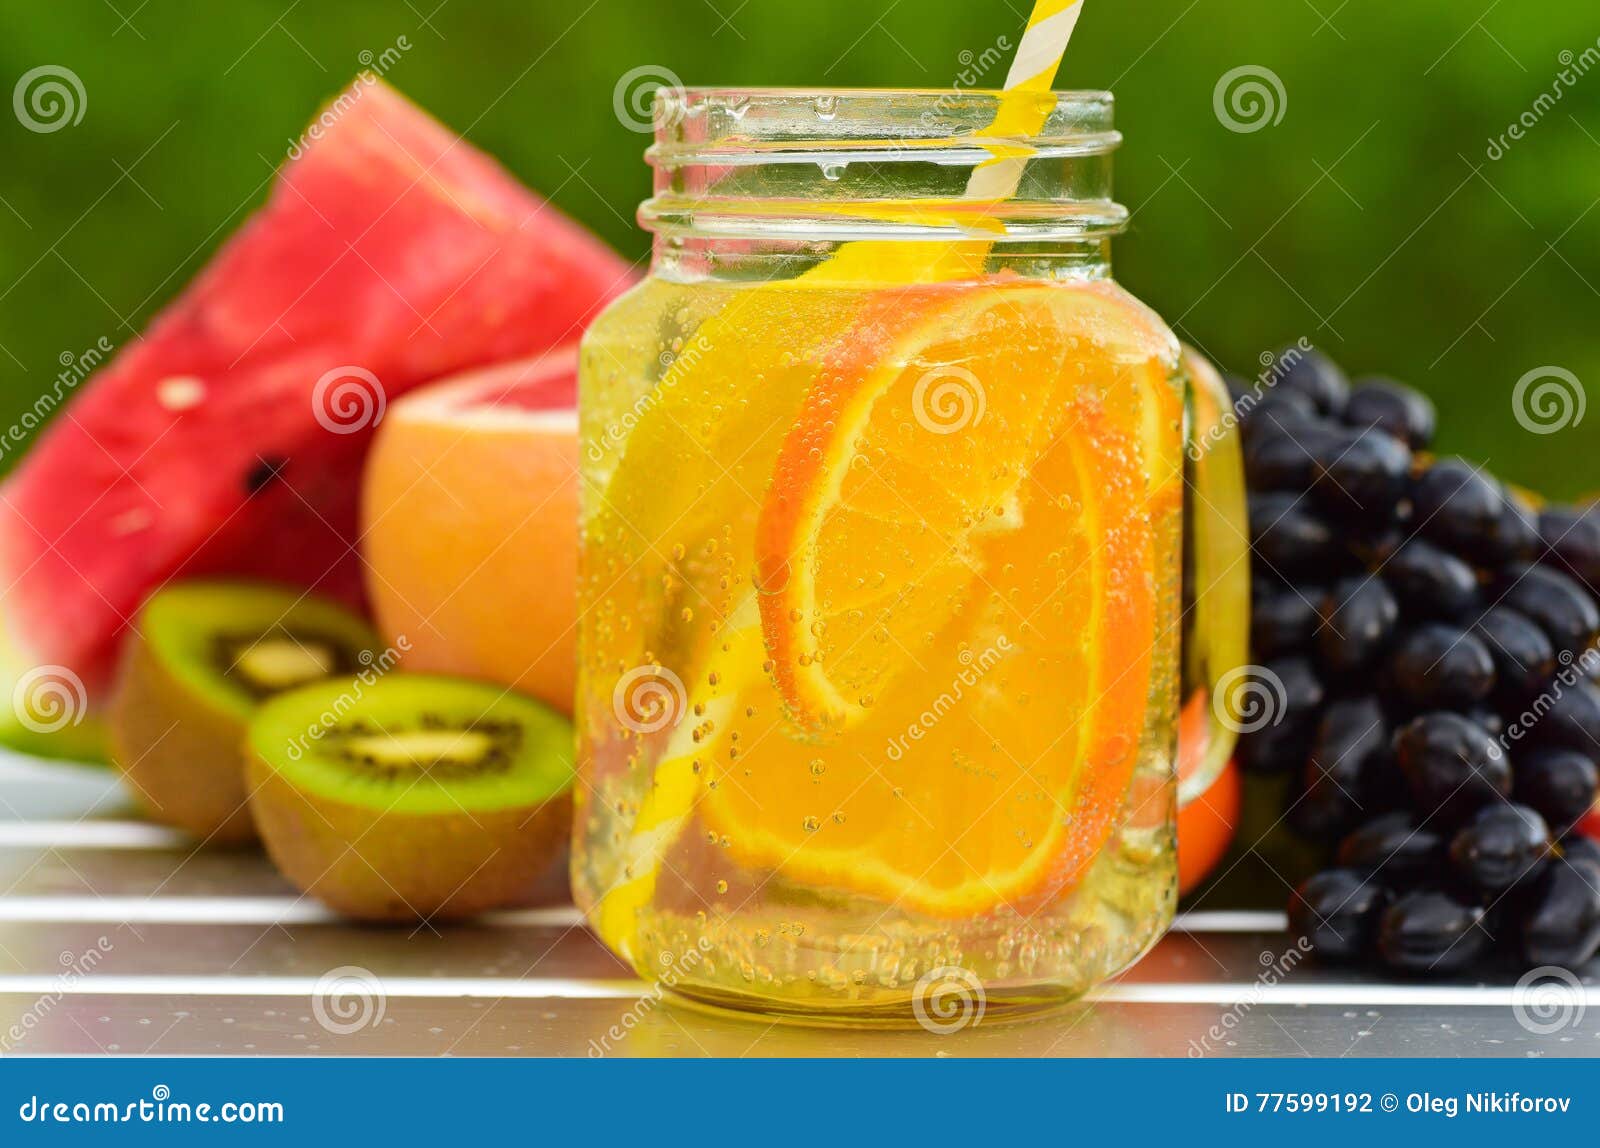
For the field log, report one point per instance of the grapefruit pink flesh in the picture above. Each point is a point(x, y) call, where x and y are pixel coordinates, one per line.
point(229, 439)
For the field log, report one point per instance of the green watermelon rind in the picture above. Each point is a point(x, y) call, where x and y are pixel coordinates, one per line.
point(81, 741)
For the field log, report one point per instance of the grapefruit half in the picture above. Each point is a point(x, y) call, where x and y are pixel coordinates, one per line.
point(470, 526)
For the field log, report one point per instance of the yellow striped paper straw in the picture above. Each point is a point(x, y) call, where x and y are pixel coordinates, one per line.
point(1033, 71)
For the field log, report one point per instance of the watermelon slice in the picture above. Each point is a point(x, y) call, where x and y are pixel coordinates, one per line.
point(230, 438)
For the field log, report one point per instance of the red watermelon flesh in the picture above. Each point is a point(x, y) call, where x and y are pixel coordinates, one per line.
point(388, 246)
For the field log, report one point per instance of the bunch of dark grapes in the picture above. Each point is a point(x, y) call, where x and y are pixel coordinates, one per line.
point(1426, 635)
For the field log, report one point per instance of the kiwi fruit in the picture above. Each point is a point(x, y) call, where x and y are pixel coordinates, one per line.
point(413, 797)
point(202, 656)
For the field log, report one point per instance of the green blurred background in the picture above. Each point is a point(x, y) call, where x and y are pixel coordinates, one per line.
point(1370, 218)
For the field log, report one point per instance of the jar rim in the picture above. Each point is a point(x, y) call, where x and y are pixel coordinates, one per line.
point(719, 121)
point(758, 163)
point(782, 91)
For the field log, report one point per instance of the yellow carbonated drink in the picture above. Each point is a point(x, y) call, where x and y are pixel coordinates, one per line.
point(879, 593)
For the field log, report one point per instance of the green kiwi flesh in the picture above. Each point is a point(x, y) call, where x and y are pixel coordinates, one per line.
point(201, 658)
point(414, 796)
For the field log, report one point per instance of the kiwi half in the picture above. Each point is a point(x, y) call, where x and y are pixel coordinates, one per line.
point(202, 657)
point(412, 797)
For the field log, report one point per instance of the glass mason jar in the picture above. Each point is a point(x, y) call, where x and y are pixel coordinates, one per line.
point(880, 566)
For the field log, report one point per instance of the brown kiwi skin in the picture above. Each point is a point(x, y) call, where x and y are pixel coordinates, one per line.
point(392, 867)
point(182, 757)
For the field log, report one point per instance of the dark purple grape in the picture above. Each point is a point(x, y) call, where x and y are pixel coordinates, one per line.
point(1383, 785)
point(1275, 461)
point(1500, 847)
point(1320, 812)
point(1562, 784)
point(1375, 547)
point(1280, 451)
point(1302, 693)
point(1514, 537)
point(1451, 765)
point(1266, 410)
point(1351, 731)
point(1282, 621)
point(1558, 603)
point(1336, 911)
point(1493, 724)
point(1439, 667)
point(1296, 695)
point(1524, 658)
point(1427, 931)
point(1313, 374)
point(1361, 475)
point(1288, 538)
point(1275, 748)
point(1330, 801)
point(1395, 849)
point(1581, 848)
point(1403, 411)
point(1561, 926)
point(1456, 504)
point(1566, 716)
point(1357, 618)
point(1572, 537)
point(1430, 582)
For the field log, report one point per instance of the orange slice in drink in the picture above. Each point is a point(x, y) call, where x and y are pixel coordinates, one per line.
point(881, 491)
point(903, 461)
point(957, 581)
